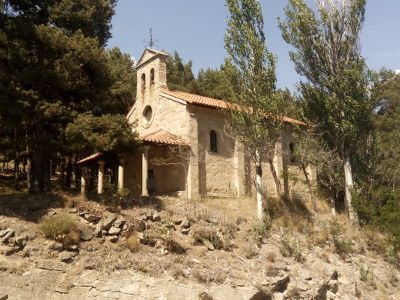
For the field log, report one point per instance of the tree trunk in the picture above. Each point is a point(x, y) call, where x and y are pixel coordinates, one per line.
point(68, 173)
point(278, 185)
point(348, 175)
point(28, 168)
point(16, 161)
point(261, 210)
point(309, 186)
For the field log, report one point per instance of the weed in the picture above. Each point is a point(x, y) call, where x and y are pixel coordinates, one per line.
point(271, 256)
point(57, 225)
point(209, 234)
point(132, 243)
point(367, 276)
point(250, 250)
point(290, 247)
point(343, 246)
point(259, 231)
point(393, 280)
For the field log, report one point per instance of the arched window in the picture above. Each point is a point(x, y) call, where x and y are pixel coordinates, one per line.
point(213, 141)
point(143, 82)
point(152, 76)
point(291, 152)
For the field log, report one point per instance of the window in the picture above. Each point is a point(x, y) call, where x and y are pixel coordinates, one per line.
point(143, 82)
point(147, 115)
point(291, 152)
point(213, 141)
point(152, 76)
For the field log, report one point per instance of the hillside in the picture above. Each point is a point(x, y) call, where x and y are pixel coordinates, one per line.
point(169, 248)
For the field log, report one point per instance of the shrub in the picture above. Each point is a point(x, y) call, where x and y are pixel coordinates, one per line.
point(367, 276)
point(60, 224)
point(259, 231)
point(290, 247)
point(209, 234)
point(250, 250)
point(342, 246)
point(132, 243)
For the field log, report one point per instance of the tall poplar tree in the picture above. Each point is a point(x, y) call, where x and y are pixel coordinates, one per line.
point(250, 70)
point(335, 91)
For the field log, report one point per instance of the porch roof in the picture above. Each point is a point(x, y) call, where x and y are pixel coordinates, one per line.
point(89, 158)
point(161, 136)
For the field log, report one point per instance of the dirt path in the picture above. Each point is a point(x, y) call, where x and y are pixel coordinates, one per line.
point(50, 280)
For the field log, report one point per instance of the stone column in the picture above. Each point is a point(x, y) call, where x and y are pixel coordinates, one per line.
point(83, 181)
point(121, 175)
point(100, 178)
point(145, 170)
point(192, 180)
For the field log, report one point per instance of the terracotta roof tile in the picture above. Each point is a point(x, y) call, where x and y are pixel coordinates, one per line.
point(211, 102)
point(161, 136)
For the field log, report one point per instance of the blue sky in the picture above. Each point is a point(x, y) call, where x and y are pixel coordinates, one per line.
point(196, 28)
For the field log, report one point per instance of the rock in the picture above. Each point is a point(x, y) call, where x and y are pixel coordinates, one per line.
point(208, 244)
point(156, 217)
point(185, 224)
point(55, 246)
point(119, 222)
point(281, 285)
point(21, 240)
point(66, 257)
point(9, 234)
point(140, 226)
point(73, 247)
point(185, 231)
point(91, 218)
point(114, 230)
point(104, 232)
point(73, 210)
point(83, 213)
point(98, 229)
point(3, 297)
point(177, 220)
point(112, 239)
point(4, 232)
point(125, 227)
point(86, 234)
point(261, 295)
point(7, 250)
point(108, 221)
point(149, 215)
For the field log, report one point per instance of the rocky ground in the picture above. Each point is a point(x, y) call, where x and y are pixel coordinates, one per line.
point(169, 248)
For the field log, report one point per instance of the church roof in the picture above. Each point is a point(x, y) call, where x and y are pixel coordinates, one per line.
point(211, 102)
point(153, 52)
point(160, 136)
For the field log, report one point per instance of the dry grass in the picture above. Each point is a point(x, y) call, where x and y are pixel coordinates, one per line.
point(60, 224)
point(132, 243)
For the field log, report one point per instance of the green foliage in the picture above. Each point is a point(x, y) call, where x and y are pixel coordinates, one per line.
point(250, 73)
point(209, 234)
point(180, 76)
point(88, 134)
point(56, 225)
point(342, 246)
point(291, 247)
point(259, 231)
point(53, 67)
point(212, 83)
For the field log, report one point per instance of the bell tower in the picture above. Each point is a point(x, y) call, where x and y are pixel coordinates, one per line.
point(151, 74)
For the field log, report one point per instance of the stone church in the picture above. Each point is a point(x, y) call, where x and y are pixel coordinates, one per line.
point(185, 149)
